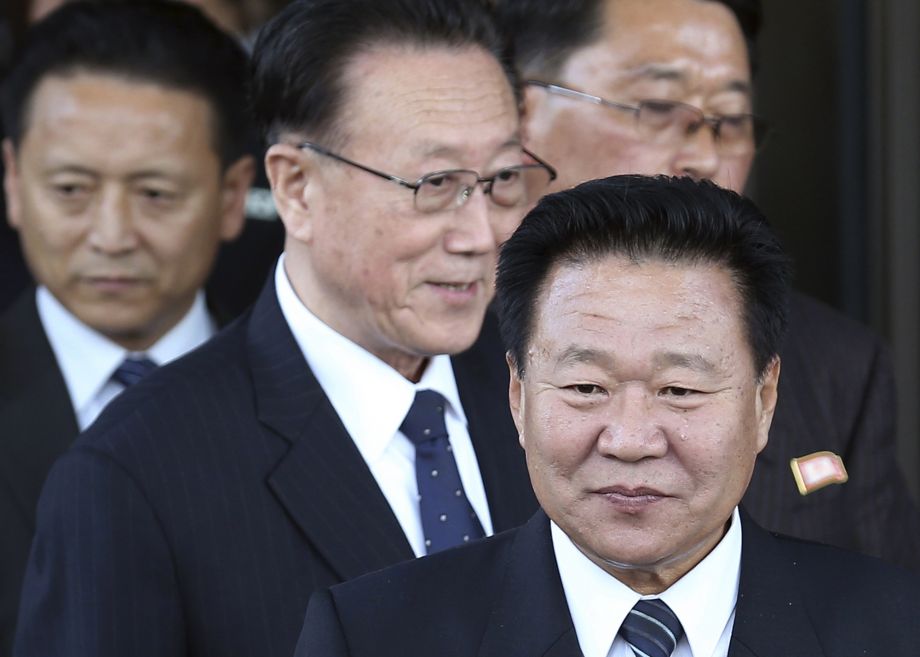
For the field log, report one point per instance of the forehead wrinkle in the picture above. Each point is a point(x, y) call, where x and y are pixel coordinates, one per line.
point(431, 148)
point(448, 104)
point(374, 78)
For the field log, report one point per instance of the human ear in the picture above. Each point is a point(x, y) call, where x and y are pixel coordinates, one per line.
point(516, 398)
point(767, 395)
point(235, 184)
point(290, 176)
point(11, 185)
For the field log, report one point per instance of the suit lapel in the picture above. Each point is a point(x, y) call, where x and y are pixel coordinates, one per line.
point(36, 415)
point(482, 381)
point(770, 616)
point(531, 617)
point(322, 482)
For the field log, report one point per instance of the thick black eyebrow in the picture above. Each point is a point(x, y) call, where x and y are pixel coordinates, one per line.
point(575, 354)
point(694, 362)
point(70, 168)
point(133, 176)
point(670, 73)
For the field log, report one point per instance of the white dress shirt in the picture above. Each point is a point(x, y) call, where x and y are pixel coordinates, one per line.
point(88, 359)
point(372, 399)
point(703, 599)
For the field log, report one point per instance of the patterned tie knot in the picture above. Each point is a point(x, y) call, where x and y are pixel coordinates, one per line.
point(132, 370)
point(425, 419)
point(651, 629)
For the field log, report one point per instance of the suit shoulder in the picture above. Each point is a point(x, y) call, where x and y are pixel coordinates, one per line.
point(391, 596)
point(448, 594)
point(208, 382)
point(825, 328)
point(842, 578)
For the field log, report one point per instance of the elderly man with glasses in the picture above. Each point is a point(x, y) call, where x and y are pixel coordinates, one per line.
point(357, 416)
point(664, 86)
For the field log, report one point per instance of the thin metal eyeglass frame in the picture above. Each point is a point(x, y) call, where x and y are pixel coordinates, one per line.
point(758, 125)
point(414, 186)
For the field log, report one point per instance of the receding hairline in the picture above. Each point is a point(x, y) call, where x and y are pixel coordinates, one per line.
point(336, 134)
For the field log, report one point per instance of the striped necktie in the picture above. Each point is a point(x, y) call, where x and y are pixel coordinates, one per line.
point(132, 370)
point(651, 629)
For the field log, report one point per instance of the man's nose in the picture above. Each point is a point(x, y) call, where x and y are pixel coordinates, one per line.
point(632, 432)
point(698, 155)
point(473, 230)
point(112, 229)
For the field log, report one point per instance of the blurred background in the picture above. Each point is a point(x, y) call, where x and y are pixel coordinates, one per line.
point(839, 177)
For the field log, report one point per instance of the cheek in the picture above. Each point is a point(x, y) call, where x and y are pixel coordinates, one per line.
point(183, 246)
point(733, 173)
point(719, 451)
point(563, 439)
point(49, 236)
point(615, 149)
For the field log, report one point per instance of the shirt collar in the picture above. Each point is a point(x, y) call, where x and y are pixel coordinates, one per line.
point(87, 359)
point(370, 397)
point(703, 599)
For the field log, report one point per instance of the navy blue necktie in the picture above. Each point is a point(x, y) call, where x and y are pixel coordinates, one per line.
point(651, 629)
point(132, 370)
point(447, 517)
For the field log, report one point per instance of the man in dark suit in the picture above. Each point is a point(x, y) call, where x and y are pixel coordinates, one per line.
point(355, 417)
point(124, 172)
point(642, 318)
point(664, 86)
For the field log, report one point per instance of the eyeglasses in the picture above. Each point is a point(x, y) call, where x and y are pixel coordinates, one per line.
point(451, 188)
point(670, 121)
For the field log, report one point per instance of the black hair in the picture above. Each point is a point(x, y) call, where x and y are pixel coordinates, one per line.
point(542, 34)
point(170, 44)
point(647, 218)
point(301, 55)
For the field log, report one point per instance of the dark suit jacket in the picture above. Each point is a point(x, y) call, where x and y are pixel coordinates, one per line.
point(208, 502)
point(37, 424)
point(836, 392)
point(502, 597)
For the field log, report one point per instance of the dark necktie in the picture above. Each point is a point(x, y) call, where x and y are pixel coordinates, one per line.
point(447, 517)
point(651, 629)
point(132, 370)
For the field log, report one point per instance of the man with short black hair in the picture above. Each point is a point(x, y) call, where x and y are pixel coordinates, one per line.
point(124, 171)
point(354, 418)
point(664, 86)
point(643, 318)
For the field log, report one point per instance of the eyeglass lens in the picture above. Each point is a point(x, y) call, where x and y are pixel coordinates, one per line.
point(667, 122)
point(509, 187)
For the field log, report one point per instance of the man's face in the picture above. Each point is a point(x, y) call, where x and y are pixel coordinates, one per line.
point(692, 51)
point(640, 412)
point(118, 197)
point(401, 283)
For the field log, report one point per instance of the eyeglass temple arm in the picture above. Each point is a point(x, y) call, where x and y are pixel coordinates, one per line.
point(572, 93)
point(380, 174)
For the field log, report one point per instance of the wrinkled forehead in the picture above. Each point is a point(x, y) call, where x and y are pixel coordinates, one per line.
point(428, 99)
point(604, 298)
point(695, 43)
